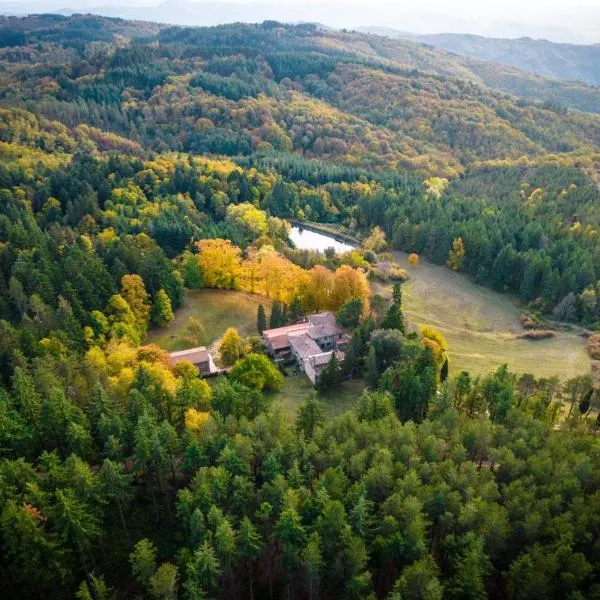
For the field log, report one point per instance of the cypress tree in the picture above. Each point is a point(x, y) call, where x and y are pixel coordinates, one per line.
point(444, 372)
point(394, 319)
point(261, 319)
point(275, 320)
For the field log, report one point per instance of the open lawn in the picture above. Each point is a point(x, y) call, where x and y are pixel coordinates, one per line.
point(297, 388)
point(216, 310)
point(482, 326)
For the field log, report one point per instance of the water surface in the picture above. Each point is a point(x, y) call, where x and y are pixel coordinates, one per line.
point(306, 239)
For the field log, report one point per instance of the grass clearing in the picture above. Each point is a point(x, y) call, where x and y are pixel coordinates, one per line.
point(297, 388)
point(216, 310)
point(482, 326)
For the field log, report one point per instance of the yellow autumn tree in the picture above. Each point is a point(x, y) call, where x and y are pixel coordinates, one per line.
point(318, 293)
point(134, 292)
point(250, 276)
point(456, 254)
point(436, 341)
point(376, 242)
point(280, 278)
point(219, 262)
point(232, 347)
point(196, 421)
point(122, 321)
point(249, 220)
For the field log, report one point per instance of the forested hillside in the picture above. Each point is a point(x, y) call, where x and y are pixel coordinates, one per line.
point(533, 69)
point(139, 160)
point(575, 62)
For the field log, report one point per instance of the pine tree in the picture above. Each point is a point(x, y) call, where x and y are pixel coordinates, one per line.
point(331, 376)
point(585, 403)
point(371, 371)
point(261, 319)
point(95, 589)
point(394, 318)
point(117, 486)
point(143, 561)
point(249, 546)
point(312, 562)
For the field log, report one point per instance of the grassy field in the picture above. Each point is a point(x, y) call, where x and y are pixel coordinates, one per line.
point(297, 388)
point(216, 310)
point(482, 326)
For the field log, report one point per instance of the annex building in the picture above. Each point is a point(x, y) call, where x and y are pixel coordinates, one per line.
point(311, 342)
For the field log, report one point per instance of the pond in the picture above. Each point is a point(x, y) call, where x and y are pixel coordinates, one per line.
point(307, 239)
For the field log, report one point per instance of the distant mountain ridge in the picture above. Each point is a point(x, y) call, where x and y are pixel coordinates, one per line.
point(568, 62)
point(562, 24)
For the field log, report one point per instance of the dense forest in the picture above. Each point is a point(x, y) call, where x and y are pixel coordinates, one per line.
point(139, 160)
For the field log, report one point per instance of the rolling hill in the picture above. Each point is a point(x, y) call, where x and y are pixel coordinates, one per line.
point(360, 129)
point(570, 62)
point(566, 74)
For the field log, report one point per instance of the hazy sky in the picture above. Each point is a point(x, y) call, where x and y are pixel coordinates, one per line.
point(558, 20)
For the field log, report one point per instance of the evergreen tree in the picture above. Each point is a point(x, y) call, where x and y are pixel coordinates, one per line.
point(394, 319)
point(331, 376)
point(295, 309)
point(250, 546)
point(275, 320)
point(261, 319)
point(350, 313)
point(143, 561)
point(310, 415)
point(371, 370)
point(444, 372)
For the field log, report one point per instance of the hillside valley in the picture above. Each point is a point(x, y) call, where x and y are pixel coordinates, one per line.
point(293, 312)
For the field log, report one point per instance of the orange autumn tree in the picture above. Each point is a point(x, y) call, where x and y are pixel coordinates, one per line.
point(349, 284)
point(267, 272)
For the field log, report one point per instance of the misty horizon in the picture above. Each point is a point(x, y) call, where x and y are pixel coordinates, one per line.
point(579, 25)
